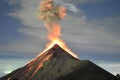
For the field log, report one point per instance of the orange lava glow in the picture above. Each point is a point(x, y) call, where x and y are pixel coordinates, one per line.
point(61, 44)
point(41, 64)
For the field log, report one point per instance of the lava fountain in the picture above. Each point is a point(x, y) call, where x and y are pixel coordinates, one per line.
point(51, 14)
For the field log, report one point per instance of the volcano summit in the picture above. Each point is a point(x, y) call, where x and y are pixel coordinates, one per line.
point(57, 64)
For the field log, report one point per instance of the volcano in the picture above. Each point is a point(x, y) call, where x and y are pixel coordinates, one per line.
point(58, 64)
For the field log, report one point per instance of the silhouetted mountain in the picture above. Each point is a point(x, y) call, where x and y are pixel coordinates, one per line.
point(57, 64)
point(118, 76)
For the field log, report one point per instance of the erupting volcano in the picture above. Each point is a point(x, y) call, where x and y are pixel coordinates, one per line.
point(49, 65)
point(51, 14)
point(57, 62)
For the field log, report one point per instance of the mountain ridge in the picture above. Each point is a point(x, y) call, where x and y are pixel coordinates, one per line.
point(58, 64)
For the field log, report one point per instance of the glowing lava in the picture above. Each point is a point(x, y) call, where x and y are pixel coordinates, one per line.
point(62, 45)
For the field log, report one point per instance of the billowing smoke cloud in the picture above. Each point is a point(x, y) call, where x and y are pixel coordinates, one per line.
point(51, 14)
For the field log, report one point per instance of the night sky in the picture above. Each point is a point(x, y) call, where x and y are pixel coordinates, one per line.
point(91, 29)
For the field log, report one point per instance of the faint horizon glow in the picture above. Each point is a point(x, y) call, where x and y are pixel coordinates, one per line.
point(111, 67)
point(8, 71)
point(8, 65)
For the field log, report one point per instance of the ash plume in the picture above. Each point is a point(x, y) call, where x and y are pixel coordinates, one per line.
point(51, 14)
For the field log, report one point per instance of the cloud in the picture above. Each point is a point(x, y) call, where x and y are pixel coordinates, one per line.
point(70, 7)
point(28, 10)
point(113, 67)
point(110, 24)
point(12, 2)
point(82, 1)
point(33, 46)
point(6, 68)
point(98, 36)
point(89, 34)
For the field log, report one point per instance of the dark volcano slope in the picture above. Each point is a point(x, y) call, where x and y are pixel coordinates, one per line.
point(87, 70)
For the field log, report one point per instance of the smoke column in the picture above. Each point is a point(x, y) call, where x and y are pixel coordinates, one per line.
point(51, 14)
